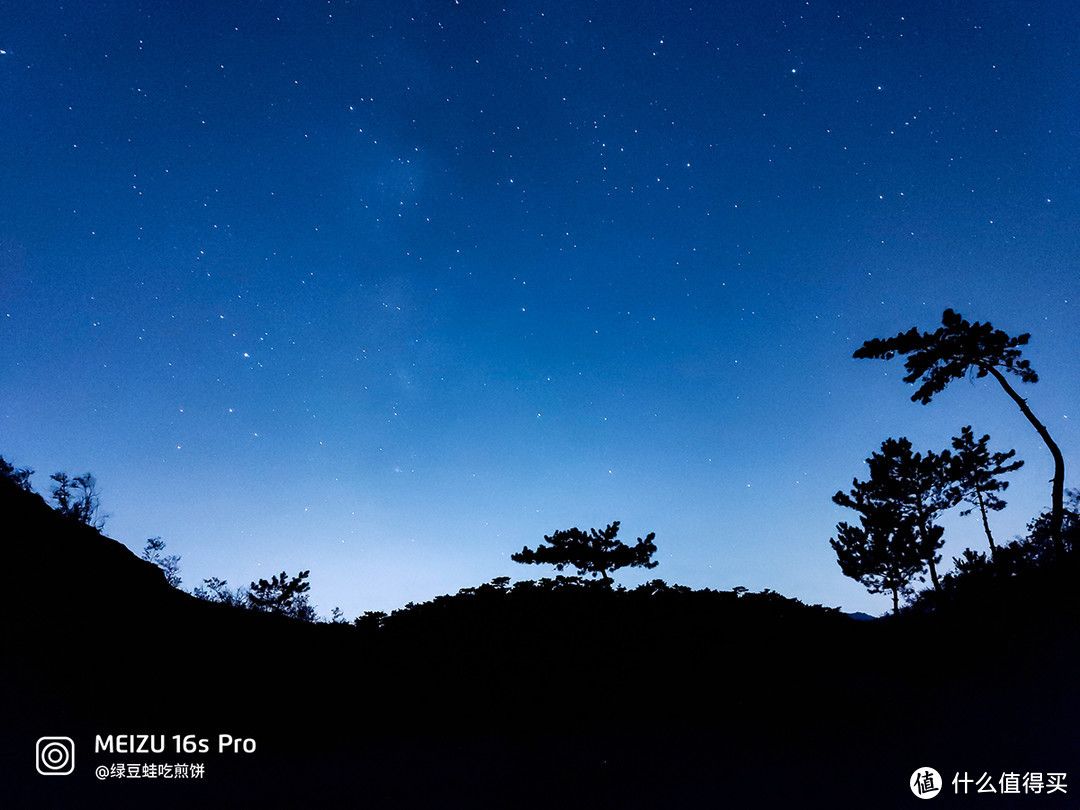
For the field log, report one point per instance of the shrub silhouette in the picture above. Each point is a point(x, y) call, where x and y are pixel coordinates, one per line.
point(20, 476)
point(1040, 529)
point(78, 498)
point(170, 565)
point(214, 589)
point(283, 595)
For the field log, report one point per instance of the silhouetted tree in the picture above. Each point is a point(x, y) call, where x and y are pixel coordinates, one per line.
point(170, 565)
point(372, 619)
point(882, 553)
point(957, 349)
point(1039, 529)
point(20, 476)
point(337, 616)
point(970, 563)
point(282, 595)
point(593, 552)
point(909, 488)
point(975, 472)
point(78, 498)
point(217, 590)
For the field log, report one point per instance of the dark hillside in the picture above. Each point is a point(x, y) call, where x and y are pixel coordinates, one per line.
point(541, 694)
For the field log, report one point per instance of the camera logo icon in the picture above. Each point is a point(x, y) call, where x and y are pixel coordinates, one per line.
point(55, 756)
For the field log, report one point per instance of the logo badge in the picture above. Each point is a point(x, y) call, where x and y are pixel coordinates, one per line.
point(925, 783)
point(55, 756)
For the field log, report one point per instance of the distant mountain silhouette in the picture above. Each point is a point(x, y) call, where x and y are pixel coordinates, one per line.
point(862, 617)
point(542, 694)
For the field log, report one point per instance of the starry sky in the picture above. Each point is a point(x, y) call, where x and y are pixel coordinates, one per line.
point(388, 290)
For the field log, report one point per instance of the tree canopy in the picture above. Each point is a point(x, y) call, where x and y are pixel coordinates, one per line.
point(882, 553)
point(950, 353)
point(593, 552)
point(909, 489)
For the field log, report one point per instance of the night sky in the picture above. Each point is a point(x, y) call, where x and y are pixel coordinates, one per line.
point(388, 290)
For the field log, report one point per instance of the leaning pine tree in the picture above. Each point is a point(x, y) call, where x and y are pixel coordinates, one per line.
point(957, 349)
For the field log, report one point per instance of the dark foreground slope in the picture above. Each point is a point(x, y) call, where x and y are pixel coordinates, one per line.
point(535, 696)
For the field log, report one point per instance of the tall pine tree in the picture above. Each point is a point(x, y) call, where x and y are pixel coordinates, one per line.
point(908, 488)
point(976, 473)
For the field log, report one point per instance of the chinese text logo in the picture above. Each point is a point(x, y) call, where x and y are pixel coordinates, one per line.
point(925, 783)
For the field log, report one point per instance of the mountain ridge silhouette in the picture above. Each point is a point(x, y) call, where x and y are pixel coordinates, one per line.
point(524, 696)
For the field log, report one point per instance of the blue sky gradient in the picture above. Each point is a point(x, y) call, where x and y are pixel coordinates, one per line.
point(389, 290)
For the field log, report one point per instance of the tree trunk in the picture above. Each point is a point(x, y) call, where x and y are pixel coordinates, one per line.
point(986, 523)
point(895, 601)
point(933, 573)
point(923, 527)
point(1057, 509)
